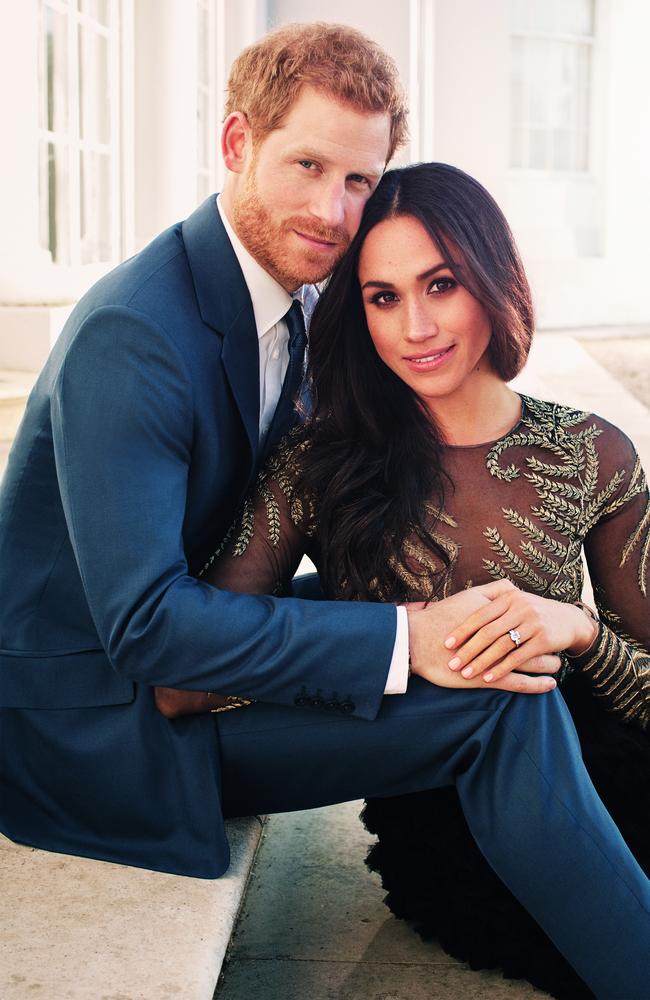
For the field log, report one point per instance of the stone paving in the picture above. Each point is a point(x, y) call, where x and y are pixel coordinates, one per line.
point(314, 926)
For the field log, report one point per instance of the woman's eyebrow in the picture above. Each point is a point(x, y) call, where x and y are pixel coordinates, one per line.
point(419, 277)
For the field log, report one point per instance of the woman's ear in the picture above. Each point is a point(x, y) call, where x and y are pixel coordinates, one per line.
point(236, 142)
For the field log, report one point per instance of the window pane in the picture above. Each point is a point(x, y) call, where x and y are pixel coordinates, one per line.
point(99, 9)
point(537, 53)
point(94, 93)
point(537, 149)
point(562, 141)
point(203, 22)
point(203, 128)
point(576, 17)
point(517, 147)
point(583, 78)
point(532, 15)
point(53, 195)
point(95, 207)
point(582, 151)
point(516, 81)
point(519, 14)
point(56, 62)
point(203, 186)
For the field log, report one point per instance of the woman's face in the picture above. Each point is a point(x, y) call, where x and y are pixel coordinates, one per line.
point(425, 326)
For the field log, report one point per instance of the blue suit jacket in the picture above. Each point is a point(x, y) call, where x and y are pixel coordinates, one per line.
point(139, 441)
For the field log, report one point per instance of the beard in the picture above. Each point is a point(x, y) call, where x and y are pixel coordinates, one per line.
point(275, 246)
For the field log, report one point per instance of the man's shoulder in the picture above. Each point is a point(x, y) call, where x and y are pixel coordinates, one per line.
point(159, 270)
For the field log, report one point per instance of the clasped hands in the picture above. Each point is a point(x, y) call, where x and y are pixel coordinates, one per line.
point(495, 636)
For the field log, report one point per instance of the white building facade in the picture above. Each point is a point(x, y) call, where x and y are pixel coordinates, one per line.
point(111, 112)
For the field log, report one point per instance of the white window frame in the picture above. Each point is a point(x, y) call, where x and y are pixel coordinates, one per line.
point(592, 41)
point(70, 139)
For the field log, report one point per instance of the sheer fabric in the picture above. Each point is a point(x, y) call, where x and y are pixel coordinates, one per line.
point(522, 508)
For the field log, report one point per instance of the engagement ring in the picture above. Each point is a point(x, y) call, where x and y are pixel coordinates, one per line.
point(515, 635)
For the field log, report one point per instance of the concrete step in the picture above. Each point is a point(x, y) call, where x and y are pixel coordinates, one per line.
point(77, 929)
point(15, 387)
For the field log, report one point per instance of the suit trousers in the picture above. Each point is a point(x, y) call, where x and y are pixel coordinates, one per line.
point(528, 800)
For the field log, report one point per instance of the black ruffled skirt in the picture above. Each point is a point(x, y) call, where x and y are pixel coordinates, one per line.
point(437, 879)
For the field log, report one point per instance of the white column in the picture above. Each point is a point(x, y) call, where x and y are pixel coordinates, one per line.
point(21, 257)
point(165, 143)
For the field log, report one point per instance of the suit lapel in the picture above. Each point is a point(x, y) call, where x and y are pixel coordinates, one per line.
point(225, 305)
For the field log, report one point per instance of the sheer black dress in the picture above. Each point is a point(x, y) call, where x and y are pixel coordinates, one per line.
point(560, 486)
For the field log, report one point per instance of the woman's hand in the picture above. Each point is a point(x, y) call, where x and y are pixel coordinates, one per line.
point(513, 628)
point(429, 623)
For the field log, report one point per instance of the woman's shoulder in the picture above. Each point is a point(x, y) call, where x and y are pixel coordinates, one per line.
point(560, 419)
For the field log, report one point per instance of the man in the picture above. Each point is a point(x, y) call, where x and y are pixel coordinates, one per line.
point(141, 437)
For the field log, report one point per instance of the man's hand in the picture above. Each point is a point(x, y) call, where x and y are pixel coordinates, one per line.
point(430, 624)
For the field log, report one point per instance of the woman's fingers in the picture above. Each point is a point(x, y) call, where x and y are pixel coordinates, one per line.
point(491, 643)
point(486, 650)
point(486, 615)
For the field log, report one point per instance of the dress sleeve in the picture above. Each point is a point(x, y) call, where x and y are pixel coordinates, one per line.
point(271, 532)
point(617, 548)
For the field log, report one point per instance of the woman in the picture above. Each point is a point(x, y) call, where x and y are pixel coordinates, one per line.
point(419, 473)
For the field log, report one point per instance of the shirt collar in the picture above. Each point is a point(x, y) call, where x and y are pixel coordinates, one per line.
point(270, 300)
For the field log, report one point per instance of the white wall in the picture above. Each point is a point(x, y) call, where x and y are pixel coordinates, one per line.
point(455, 58)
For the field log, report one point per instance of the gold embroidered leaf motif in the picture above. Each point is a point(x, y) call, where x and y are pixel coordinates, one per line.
point(561, 505)
point(296, 510)
point(510, 441)
point(549, 469)
point(553, 520)
point(219, 549)
point(539, 559)
point(415, 583)
point(272, 513)
point(246, 528)
point(564, 589)
point(496, 571)
point(554, 415)
point(636, 485)
point(548, 486)
point(591, 465)
point(440, 515)
point(535, 533)
point(642, 531)
point(512, 562)
point(608, 491)
point(430, 565)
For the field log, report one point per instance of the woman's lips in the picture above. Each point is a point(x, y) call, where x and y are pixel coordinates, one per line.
point(430, 361)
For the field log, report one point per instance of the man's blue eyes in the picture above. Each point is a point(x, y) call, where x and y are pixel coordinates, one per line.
point(355, 178)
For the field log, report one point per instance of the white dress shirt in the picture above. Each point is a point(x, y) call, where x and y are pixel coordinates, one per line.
point(271, 302)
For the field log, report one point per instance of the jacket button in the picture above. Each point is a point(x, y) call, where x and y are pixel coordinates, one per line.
point(301, 700)
point(346, 707)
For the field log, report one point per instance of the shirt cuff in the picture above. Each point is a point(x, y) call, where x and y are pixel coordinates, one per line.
point(398, 673)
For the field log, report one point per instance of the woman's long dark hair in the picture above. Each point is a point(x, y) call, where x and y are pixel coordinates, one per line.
point(375, 462)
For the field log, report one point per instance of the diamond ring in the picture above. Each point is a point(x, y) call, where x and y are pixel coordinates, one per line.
point(515, 635)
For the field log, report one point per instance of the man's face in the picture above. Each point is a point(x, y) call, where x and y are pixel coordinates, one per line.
point(299, 202)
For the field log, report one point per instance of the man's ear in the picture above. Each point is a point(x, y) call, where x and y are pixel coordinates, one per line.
point(236, 142)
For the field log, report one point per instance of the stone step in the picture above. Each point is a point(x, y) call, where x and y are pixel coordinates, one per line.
point(79, 929)
point(15, 387)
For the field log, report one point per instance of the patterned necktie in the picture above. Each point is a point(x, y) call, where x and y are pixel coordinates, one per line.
point(295, 321)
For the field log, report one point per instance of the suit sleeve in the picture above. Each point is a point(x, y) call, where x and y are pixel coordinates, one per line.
point(618, 555)
point(122, 419)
